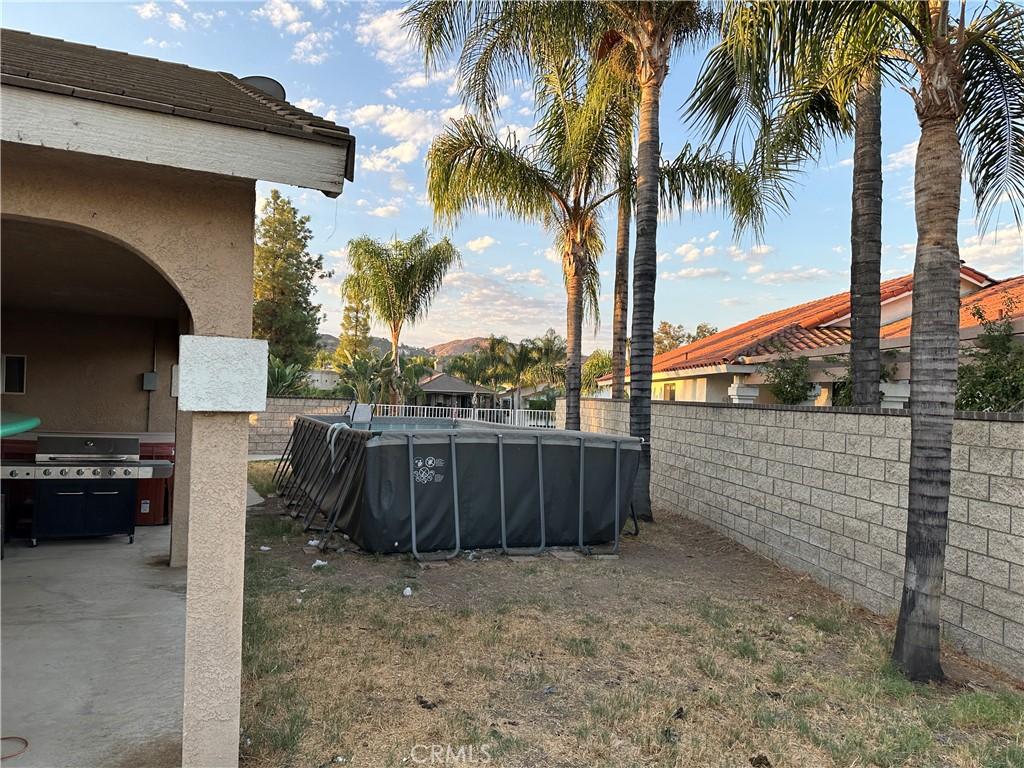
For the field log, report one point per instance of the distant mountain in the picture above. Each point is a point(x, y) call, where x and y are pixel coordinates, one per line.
point(457, 347)
point(329, 343)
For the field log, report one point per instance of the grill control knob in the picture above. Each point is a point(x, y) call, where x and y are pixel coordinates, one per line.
point(47, 472)
point(127, 472)
point(63, 473)
point(14, 473)
point(79, 472)
point(95, 473)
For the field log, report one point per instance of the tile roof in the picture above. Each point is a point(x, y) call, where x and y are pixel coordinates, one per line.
point(990, 300)
point(86, 72)
point(794, 328)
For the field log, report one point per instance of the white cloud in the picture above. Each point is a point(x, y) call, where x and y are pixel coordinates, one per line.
point(663, 257)
point(384, 33)
point(176, 21)
point(753, 255)
point(731, 301)
point(712, 235)
point(181, 4)
point(754, 269)
point(689, 252)
point(385, 211)
point(313, 48)
point(709, 250)
point(318, 4)
point(148, 10)
point(481, 244)
point(152, 42)
point(796, 274)
point(280, 13)
point(488, 304)
point(203, 19)
point(422, 79)
point(551, 255)
point(310, 105)
point(696, 273)
point(533, 276)
point(904, 157)
point(412, 128)
point(1000, 252)
point(389, 159)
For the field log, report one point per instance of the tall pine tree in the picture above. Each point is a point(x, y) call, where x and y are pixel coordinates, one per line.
point(354, 342)
point(284, 278)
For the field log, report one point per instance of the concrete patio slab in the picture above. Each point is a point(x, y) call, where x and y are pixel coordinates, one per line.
point(93, 652)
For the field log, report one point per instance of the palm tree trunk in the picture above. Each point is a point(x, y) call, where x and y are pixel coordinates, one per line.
point(866, 240)
point(393, 397)
point(620, 307)
point(934, 338)
point(645, 273)
point(574, 340)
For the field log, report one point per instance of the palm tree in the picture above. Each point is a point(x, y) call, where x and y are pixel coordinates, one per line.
point(801, 89)
point(560, 181)
point(966, 79)
point(399, 278)
point(521, 361)
point(620, 295)
point(366, 377)
point(499, 40)
point(550, 352)
point(497, 351)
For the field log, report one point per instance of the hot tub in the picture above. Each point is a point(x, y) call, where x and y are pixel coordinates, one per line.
point(446, 486)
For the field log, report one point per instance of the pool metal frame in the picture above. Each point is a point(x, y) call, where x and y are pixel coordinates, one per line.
point(305, 456)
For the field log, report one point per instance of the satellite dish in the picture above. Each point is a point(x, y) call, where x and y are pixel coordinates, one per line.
point(268, 85)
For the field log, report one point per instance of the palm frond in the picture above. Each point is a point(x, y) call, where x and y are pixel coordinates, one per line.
point(702, 179)
point(470, 166)
point(992, 125)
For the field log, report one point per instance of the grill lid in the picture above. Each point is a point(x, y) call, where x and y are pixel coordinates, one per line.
point(53, 447)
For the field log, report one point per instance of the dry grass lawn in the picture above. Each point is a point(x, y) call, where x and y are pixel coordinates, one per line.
point(686, 651)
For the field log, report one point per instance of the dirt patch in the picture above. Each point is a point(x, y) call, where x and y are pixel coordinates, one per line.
point(687, 650)
point(164, 752)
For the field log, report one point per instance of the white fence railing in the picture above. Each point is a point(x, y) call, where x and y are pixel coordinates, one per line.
point(516, 417)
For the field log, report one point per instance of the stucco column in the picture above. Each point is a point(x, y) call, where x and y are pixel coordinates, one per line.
point(741, 391)
point(182, 465)
point(213, 607)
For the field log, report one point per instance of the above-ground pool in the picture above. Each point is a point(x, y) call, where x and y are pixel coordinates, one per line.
point(443, 485)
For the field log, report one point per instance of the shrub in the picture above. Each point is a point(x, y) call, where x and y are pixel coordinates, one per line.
point(992, 379)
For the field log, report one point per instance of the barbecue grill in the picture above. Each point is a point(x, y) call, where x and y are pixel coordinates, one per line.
point(89, 484)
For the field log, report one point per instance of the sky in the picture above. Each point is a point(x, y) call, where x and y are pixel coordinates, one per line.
point(352, 63)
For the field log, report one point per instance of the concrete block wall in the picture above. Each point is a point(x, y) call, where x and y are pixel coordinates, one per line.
point(824, 492)
point(269, 431)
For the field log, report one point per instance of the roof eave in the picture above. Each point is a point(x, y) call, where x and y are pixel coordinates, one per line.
point(96, 123)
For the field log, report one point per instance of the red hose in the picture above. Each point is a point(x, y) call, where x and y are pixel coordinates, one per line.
point(20, 751)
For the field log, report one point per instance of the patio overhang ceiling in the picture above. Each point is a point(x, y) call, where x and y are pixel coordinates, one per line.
point(77, 98)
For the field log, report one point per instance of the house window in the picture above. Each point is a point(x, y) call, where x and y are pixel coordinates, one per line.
point(14, 375)
point(669, 392)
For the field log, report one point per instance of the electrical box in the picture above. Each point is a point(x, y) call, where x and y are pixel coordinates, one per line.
point(150, 381)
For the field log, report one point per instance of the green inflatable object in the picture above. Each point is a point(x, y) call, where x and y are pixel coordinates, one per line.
point(15, 423)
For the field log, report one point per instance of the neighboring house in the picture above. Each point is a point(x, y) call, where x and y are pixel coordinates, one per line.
point(519, 397)
point(324, 379)
point(725, 367)
point(447, 390)
point(128, 196)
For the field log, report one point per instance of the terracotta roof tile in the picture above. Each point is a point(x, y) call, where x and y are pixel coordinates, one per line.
point(990, 300)
point(795, 328)
point(84, 71)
